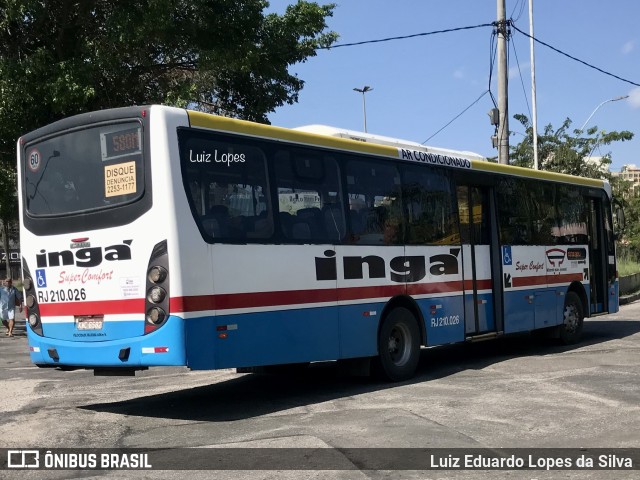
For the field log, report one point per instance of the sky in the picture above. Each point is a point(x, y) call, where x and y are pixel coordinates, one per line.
point(421, 84)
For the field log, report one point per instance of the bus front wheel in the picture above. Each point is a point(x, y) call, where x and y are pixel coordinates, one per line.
point(572, 319)
point(398, 346)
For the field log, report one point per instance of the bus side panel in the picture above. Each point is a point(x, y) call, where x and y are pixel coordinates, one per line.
point(518, 312)
point(365, 285)
point(524, 275)
point(276, 303)
point(272, 338)
point(200, 342)
point(359, 329)
point(614, 297)
point(444, 319)
point(546, 309)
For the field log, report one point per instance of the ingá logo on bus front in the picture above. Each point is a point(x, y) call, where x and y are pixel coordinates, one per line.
point(85, 257)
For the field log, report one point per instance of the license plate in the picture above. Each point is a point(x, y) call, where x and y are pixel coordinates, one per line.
point(93, 322)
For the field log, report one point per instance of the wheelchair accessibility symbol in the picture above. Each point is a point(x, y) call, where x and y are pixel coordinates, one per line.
point(506, 255)
point(41, 278)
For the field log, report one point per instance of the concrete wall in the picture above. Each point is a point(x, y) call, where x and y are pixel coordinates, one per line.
point(630, 284)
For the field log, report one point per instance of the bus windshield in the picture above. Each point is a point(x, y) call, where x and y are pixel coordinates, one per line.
point(84, 170)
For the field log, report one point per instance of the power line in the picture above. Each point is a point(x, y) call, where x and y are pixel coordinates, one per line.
point(574, 58)
point(457, 116)
point(404, 37)
point(524, 91)
point(521, 4)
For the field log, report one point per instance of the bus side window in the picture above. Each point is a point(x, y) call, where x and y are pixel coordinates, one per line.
point(514, 216)
point(430, 207)
point(543, 213)
point(229, 200)
point(375, 203)
point(573, 211)
point(309, 198)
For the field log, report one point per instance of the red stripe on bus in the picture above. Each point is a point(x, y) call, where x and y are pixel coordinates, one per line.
point(286, 297)
point(529, 281)
point(564, 278)
point(442, 287)
point(250, 300)
point(301, 297)
point(362, 293)
point(546, 280)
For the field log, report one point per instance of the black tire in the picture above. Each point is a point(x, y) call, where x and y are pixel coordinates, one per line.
point(398, 346)
point(572, 319)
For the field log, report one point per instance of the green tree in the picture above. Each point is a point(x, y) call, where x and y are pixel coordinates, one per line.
point(63, 57)
point(566, 151)
point(8, 206)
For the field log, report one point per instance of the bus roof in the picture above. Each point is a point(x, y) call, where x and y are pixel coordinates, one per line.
point(382, 146)
point(382, 140)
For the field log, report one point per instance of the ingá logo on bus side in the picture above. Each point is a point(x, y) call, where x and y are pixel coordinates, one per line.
point(405, 268)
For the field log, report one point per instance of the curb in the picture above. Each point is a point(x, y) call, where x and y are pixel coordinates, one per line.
point(627, 299)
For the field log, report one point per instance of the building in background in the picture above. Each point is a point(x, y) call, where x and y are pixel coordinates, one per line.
point(630, 173)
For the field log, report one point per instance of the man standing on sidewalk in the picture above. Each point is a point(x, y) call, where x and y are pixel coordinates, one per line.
point(9, 298)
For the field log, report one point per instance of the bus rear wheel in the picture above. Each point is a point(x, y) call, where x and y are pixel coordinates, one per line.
point(572, 319)
point(398, 346)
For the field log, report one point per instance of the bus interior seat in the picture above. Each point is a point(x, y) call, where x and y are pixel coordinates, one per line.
point(286, 224)
point(313, 218)
point(357, 223)
point(216, 222)
point(301, 231)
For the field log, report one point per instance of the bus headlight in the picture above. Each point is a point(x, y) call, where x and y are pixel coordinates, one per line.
point(33, 320)
point(157, 288)
point(156, 315)
point(156, 294)
point(30, 301)
point(27, 283)
point(157, 274)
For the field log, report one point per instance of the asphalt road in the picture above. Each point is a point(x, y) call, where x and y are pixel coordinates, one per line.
point(514, 392)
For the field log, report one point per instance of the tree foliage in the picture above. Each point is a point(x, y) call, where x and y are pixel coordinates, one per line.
point(632, 220)
point(8, 205)
point(63, 57)
point(566, 151)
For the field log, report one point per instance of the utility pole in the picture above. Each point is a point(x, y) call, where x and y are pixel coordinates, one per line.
point(503, 85)
point(534, 102)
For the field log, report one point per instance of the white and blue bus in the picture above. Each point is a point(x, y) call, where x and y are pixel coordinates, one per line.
point(161, 236)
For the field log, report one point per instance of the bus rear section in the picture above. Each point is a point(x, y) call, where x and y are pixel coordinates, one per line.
point(96, 267)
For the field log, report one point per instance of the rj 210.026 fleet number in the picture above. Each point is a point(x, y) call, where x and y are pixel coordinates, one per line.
point(63, 295)
point(445, 321)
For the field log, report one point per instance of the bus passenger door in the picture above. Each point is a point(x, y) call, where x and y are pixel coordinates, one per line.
point(601, 258)
point(475, 237)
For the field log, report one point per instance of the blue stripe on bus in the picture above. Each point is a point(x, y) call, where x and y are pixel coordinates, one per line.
point(288, 336)
point(445, 323)
point(263, 338)
point(306, 335)
point(532, 309)
point(105, 354)
point(614, 295)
